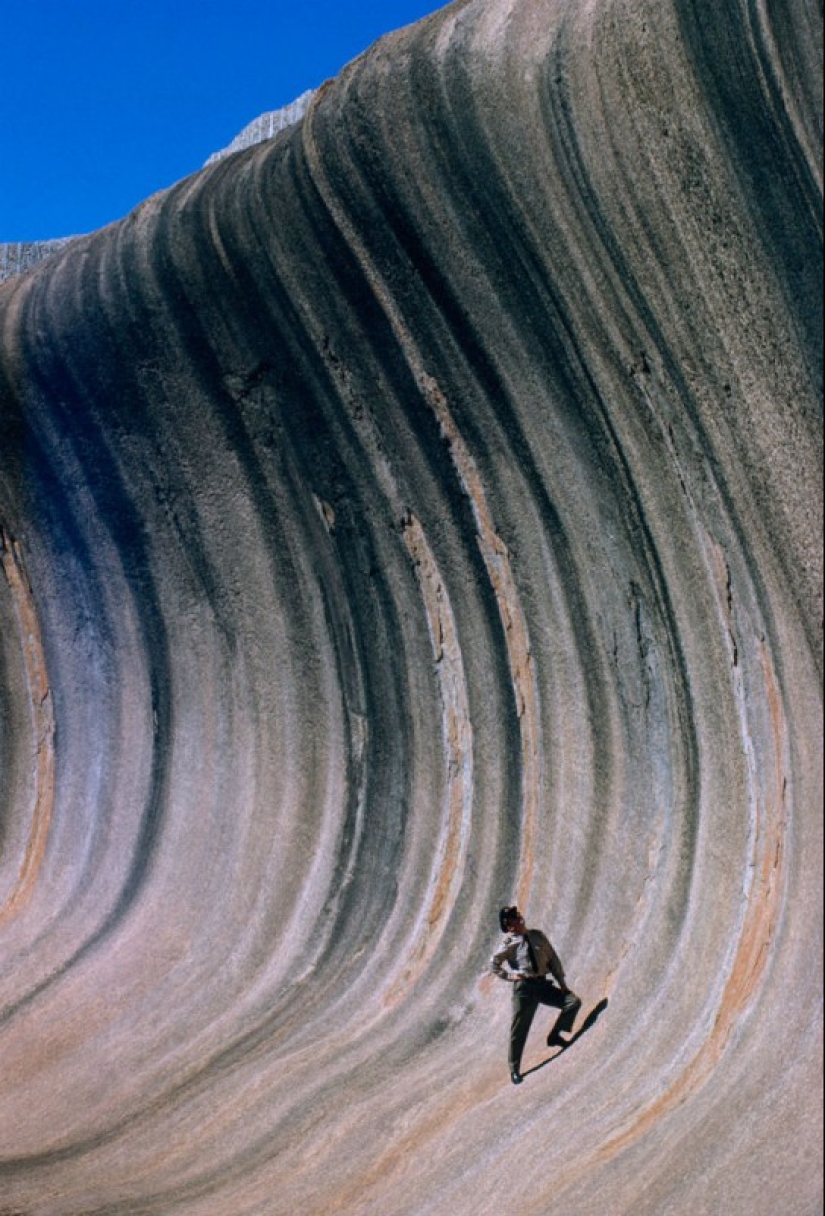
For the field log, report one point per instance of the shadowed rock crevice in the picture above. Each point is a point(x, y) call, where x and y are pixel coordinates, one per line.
point(413, 512)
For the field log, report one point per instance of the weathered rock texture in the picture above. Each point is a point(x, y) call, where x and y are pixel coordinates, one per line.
point(416, 512)
point(16, 257)
point(267, 125)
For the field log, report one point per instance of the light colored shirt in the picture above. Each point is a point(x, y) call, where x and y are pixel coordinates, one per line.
point(513, 951)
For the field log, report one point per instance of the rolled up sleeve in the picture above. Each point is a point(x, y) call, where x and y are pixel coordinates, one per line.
point(503, 954)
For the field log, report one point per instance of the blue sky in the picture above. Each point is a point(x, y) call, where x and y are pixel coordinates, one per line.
point(103, 102)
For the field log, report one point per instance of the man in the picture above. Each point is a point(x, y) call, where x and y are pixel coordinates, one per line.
point(529, 957)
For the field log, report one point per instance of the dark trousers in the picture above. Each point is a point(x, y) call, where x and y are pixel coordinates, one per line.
point(527, 996)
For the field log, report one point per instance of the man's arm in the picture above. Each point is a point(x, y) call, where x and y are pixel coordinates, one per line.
point(554, 965)
point(557, 971)
point(504, 955)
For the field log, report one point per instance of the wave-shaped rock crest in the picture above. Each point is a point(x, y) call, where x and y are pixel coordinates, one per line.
point(416, 512)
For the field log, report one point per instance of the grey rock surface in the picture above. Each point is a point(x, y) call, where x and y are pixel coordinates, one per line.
point(412, 513)
point(16, 257)
point(266, 125)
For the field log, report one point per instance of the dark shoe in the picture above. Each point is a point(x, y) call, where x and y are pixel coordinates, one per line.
point(554, 1039)
point(516, 1077)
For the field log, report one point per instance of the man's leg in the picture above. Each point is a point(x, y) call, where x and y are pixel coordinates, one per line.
point(525, 1004)
point(567, 1002)
point(572, 1005)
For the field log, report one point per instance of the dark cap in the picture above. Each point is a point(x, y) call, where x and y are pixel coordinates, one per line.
point(505, 916)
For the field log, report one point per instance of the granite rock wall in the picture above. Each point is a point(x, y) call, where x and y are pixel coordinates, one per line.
point(413, 513)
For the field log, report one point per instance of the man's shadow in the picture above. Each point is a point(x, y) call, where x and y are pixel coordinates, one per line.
point(564, 1045)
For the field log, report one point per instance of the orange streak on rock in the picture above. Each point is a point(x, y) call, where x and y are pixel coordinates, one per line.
point(517, 639)
point(42, 724)
point(758, 929)
point(458, 748)
point(390, 1166)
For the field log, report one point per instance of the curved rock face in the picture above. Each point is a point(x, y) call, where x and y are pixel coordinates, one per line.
point(412, 514)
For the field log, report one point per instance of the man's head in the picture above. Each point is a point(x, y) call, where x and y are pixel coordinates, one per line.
point(511, 920)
